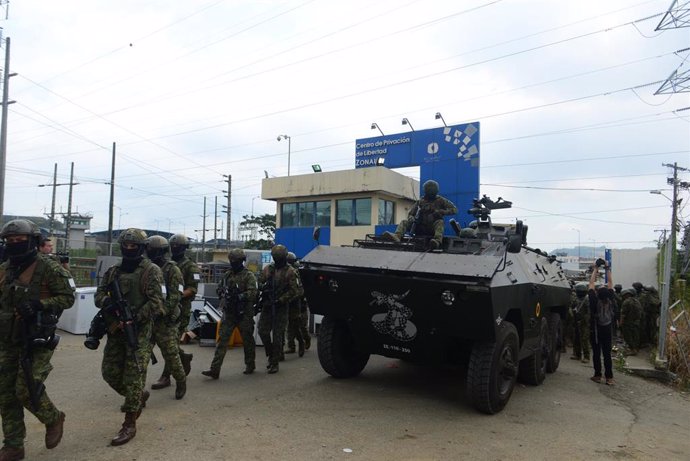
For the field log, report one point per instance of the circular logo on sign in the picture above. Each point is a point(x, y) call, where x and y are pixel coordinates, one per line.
point(432, 148)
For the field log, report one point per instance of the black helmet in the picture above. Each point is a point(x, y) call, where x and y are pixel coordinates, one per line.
point(581, 288)
point(618, 287)
point(237, 254)
point(638, 286)
point(291, 258)
point(157, 247)
point(24, 249)
point(430, 189)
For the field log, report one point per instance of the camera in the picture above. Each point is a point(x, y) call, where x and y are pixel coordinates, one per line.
point(97, 330)
point(63, 257)
point(600, 262)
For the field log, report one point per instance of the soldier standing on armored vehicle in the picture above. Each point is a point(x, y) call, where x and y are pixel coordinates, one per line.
point(165, 327)
point(191, 276)
point(579, 310)
point(279, 284)
point(237, 292)
point(34, 290)
point(131, 297)
point(294, 328)
point(631, 312)
point(426, 217)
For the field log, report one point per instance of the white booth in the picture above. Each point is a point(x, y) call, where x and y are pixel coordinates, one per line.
point(77, 319)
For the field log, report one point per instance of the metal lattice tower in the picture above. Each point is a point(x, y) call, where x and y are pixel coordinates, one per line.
point(677, 16)
point(675, 83)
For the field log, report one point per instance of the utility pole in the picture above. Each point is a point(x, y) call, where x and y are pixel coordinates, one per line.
point(68, 224)
point(215, 223)
point(661, 359)
point(112, 205)
point(228, 207)
point(52, 205)
point(3, 125)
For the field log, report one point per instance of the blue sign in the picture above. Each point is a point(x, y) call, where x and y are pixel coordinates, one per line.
point(449, 155)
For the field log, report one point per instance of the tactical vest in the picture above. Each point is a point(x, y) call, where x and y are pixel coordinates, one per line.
point(133, 285)
point(190, 277)
point(30, 284)
point(167, 269)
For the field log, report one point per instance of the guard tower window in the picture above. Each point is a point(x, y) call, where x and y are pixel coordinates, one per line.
point(305, 214)
point(386, 212)
point(353, 212)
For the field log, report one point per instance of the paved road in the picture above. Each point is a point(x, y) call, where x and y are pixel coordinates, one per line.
point(393, 411)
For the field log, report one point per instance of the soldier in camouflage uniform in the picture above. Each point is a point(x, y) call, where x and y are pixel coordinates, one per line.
point(123, 368)
point(237, 292)
point(191, 276)
point(165, 327)
point(651, 305)
point(631, 313)
point(432, 208)
point(34, 290)
point(294, 328)
point(580, 314)
point(280, 285)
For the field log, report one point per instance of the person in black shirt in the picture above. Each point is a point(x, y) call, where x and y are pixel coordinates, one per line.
point(601, 310)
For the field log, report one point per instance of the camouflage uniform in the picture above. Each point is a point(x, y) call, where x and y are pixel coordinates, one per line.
point(43, 280)
point(279, 286)
point(640, 295)
point(580, 315)
point(294, 327)
point(237, 313)
point(651, 304)
point(631, 313)
point(192, 276)
point(165, 327)
point(141, 288)
point(432, 208)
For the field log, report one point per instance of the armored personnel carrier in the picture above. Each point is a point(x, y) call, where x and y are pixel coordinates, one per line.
point(484, 301)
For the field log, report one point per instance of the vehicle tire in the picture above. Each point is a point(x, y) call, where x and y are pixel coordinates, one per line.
point(555, 342)
point(492, 370)
point(336, 350)
point(533, 369)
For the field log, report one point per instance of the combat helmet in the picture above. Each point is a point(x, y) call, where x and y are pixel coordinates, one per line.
point(279, 253)
point(291, 258)
point(237, 254)
point(178, 245)
point(430, 189)
point(132, 236)
point(21, 227)
point(157, 247)
point(628, 292)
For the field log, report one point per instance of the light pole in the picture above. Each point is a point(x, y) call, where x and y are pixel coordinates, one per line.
point(289, 140)
point(254, 198)
point(578, 247)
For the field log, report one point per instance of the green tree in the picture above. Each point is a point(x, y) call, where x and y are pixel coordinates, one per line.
point(266, 230)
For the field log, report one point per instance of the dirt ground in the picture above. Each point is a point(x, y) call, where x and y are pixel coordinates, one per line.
point(392, 411)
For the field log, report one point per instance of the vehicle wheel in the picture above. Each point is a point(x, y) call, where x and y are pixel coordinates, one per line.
point(493, 369)
point(533, 369)
point(555, 342)
point(336, 350)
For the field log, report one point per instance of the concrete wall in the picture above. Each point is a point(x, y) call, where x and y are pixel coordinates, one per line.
point(628, 266)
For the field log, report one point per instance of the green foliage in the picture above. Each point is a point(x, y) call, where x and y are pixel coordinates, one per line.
point(266, 229)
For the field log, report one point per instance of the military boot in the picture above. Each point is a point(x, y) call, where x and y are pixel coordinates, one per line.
point(180, 389)
point(434, 244)
point(300, 351)
point(127, 431)
point(390, 236)
point(272, 368)
point(211, 373)
point(249, 369)
point(11, 453)
point(307, 342)
point(162, 383)
point(291, 349)
point(186, 360)
point(54, 432)
point(144, 397)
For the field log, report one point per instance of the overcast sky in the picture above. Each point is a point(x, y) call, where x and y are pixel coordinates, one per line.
point(571, 130)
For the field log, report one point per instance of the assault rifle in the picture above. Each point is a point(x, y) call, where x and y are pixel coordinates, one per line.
point(417, 215)
point(39, 332)
point(120, 308)
point(231, 295)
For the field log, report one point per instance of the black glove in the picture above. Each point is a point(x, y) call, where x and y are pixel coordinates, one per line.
point(29, 309)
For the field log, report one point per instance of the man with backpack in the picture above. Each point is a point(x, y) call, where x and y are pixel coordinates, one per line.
point(602, 312)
